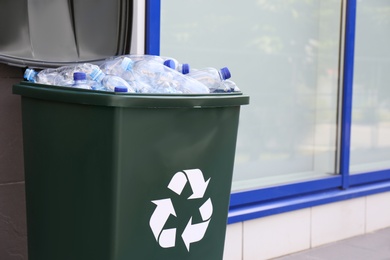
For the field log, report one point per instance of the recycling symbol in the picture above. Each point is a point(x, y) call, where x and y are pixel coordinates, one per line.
point(193, 232)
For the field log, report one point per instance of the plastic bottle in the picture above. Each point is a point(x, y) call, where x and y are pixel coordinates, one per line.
point(120, 66)
point(228, 86)
point(210, 77)
point(43, 77)
point(141, 57)
point(188, 85)
point(109, 82)
point(117, 66)
point(80, 80)
point(151, 77)
point(164, 80)
point(156, 75)
point(65, 73)
point(63, 76)
point(167, 61)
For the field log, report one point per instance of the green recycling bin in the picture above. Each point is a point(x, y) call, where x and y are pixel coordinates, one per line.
point(127, 176)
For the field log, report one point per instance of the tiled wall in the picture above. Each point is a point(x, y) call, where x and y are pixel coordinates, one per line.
point(278, 235)
point(13, 239)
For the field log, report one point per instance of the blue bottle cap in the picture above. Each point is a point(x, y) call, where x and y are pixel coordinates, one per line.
point(225, 73)
point(79, 76)
point(120, 89)
point(170, 64)
point(185, 68)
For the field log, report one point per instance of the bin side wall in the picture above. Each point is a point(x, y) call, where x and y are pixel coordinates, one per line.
point(69, 179)
point(155, 145)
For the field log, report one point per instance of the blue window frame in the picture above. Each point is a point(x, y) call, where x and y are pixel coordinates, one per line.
point(283, 198)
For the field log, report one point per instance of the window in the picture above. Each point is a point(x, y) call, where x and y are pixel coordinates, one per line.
point(370, 135)
point(285, 55)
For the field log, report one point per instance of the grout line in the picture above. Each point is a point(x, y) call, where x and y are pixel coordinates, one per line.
point(11, 183)
point(365, 214)
point(311, 228)
point(242, 240)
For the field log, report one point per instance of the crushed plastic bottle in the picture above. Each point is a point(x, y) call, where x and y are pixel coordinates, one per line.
point(167, 61)
point(109, 82)
point(43, 77)
point(228, 86)
point(142, 57)
point(156, 75)
point(119, 66)
point(210, 77)
point(165, 80)
point(122, 66)
point(64, 75)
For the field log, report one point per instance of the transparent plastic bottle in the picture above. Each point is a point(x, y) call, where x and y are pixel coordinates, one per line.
point(167, 61)
point(142, 57)
point(80, 80)
point(43, 77)
point(228, 86)
point(91, 70)
point(117, 65)
point(165, 80)
point(156, 75)
point(188, 85)
point(62, 76)
point(210, 77)
point(109, 82)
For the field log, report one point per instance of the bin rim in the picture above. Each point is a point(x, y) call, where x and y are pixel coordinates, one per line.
point(134, 100)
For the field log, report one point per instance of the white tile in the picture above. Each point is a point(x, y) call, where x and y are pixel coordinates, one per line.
point(233, 242)
point(377, 211)
point(276, 235)
point(337, 221)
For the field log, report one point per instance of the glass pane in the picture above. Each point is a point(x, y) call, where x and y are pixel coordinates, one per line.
point(370, 136)
point(285, 55)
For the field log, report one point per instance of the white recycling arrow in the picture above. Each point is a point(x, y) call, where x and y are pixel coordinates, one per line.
point(197, 182)
point(167, 238)
point(206, 210)
point(194, 232)
point(179, 180)
point(160, 215)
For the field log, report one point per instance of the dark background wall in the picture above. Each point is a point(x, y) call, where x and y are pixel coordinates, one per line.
point(13, 235)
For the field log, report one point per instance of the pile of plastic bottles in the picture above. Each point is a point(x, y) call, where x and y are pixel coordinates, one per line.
point(137, 74)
